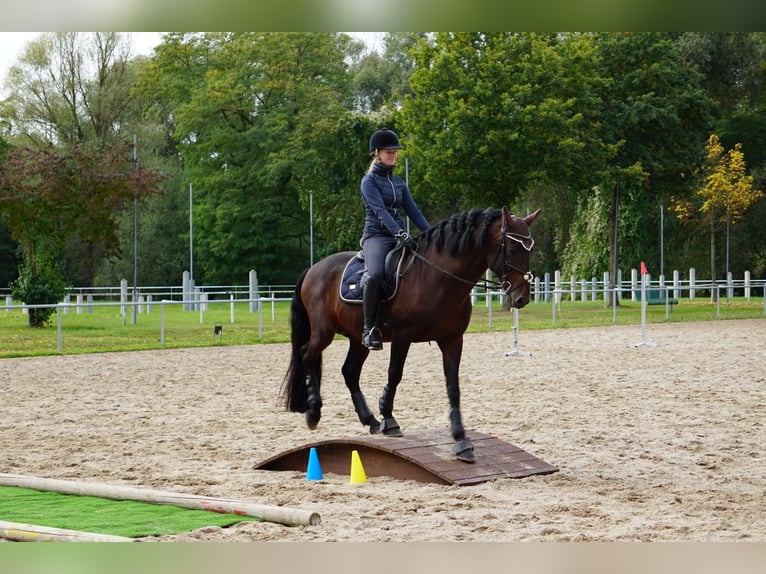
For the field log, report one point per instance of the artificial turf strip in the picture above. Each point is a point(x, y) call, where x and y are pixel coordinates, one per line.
point(117, 517)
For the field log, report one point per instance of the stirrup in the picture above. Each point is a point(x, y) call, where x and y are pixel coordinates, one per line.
point(371, 339)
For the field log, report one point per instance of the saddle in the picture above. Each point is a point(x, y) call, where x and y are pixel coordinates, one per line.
point(352, 281)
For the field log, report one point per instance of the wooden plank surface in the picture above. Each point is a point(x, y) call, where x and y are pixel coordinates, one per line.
point(424, 456)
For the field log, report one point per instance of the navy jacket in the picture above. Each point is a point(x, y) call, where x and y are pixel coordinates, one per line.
point(385, 195)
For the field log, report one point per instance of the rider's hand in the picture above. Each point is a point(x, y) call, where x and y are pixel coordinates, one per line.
point(403, 239)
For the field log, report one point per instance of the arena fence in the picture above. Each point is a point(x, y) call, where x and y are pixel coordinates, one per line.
point(550, 290)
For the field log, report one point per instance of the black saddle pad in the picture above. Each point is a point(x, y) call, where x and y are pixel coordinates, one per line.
point(351, 282)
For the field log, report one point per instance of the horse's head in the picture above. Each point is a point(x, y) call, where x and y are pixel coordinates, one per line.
point(511, 258)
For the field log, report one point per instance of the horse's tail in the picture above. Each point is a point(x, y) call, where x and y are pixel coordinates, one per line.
point(294, 390)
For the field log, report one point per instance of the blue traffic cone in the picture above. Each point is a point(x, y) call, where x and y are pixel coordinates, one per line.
point(314, 469)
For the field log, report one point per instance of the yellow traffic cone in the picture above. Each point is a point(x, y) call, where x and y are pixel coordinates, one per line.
point(357, 470)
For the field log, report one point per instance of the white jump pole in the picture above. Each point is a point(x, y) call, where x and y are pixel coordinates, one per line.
point(643, 342)
point(516, 352)
point(19, 532)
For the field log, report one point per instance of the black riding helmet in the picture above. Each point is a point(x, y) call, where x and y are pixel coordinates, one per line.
point(384, 138)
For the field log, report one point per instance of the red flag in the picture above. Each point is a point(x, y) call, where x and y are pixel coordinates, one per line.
point(643, 269)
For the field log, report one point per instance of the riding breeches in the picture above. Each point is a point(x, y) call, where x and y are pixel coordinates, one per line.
point(375, 248)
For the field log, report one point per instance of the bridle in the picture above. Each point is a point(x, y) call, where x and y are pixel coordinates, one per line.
point(505, 285)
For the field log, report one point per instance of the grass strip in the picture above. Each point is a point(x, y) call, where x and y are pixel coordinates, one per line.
point(118, 517)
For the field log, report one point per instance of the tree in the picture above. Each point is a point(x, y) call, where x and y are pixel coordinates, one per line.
point(383, 79)
point(48, 197)
point(71, 90)
point(493, 115)
point(729, 63)
point(655, 112)
point(723, 198)
point(256, 117)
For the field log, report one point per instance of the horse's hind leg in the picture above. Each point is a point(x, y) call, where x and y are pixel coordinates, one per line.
point(313, 395)
point(352, 371)
point(312, 364)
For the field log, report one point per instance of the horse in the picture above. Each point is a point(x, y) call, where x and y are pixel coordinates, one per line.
point(432, 303)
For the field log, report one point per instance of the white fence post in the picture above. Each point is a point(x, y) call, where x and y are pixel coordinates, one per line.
point(123, 296)
point(594, 289)
point(253, 295)
point(692, 283)
point(633, 284)
point(729, 286)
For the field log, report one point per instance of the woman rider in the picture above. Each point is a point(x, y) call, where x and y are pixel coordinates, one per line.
point(385, 194)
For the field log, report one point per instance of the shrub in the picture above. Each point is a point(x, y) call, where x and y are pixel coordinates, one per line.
point(44, 285)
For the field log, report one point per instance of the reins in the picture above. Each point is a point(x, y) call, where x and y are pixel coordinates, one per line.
point(504, 285)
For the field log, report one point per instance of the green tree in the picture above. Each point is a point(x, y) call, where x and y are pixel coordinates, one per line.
point(656, 113)
point(72, 90)
point(729, 63)
point(494, 113)
point(256, 116)
point(8, 260)
point(383, 79)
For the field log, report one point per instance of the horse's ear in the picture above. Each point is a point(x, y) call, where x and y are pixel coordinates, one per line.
point(532, 216)
point(507, 218)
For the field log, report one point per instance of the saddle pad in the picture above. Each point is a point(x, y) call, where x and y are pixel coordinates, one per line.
point(351, 281)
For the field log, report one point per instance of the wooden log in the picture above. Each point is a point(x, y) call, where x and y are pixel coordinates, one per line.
point(19, 532)
point(278, 514)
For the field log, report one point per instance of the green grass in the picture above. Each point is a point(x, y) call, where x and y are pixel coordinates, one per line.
point(128, 518)
point(105, 329)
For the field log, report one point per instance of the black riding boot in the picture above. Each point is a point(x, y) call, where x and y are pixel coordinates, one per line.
point(370, 301)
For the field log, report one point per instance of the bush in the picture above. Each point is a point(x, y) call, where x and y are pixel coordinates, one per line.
point(43, 286)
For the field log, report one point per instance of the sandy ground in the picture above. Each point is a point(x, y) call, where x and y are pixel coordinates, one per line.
point(662, 443)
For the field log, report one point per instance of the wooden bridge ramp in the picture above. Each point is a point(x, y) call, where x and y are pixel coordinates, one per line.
point(424, 456)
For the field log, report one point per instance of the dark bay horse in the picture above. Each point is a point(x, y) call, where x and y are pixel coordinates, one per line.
point(433, 303)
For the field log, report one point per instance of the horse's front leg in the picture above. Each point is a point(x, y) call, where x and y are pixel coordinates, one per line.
point(399, 350)
point(352, 370)
point(452, 351)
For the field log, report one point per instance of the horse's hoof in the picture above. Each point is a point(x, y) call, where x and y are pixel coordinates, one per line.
point(463, 450)
point(390, 427)
point(312, 419)
point(374, 427)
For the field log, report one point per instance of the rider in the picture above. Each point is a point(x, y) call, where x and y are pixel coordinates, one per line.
point(384, 194)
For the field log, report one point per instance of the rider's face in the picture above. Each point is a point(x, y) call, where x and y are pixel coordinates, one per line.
point(388, 156)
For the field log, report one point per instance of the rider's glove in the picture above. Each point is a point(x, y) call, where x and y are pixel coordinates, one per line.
point(403, 239)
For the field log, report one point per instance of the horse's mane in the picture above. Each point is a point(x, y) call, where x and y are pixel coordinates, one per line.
point(458, 233)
